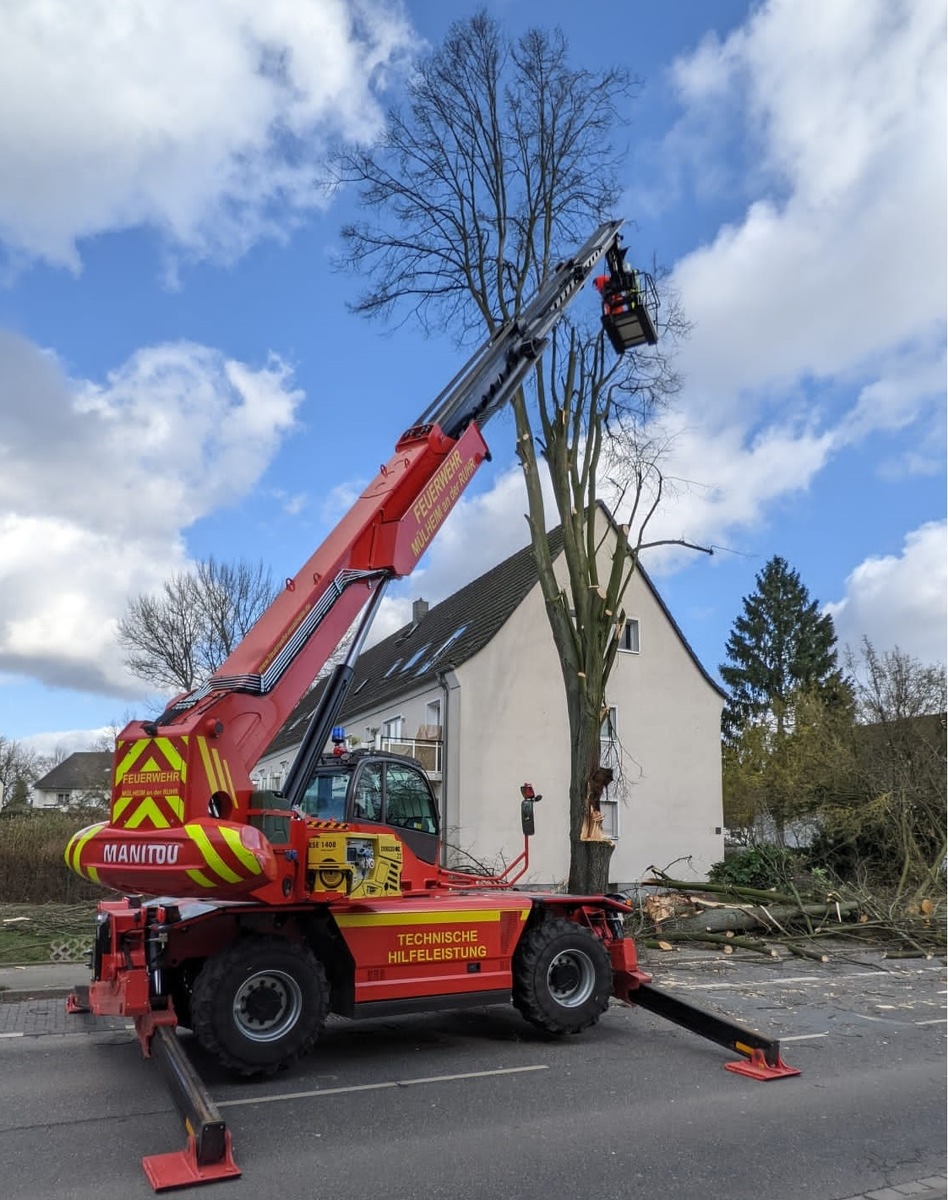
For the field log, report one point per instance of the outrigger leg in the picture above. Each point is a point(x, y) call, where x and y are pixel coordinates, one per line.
point(207, 1155)
point(761, 1055)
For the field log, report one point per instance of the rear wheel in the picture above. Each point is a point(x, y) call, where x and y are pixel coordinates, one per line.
point(260, 1005)
point(562, 977)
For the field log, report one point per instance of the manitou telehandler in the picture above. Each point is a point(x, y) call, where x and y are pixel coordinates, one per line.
point(329, 896)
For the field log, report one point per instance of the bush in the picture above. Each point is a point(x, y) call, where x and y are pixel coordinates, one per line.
point(32, 867)
point(758, 867)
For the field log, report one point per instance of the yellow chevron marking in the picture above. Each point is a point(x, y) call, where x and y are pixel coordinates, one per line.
point(135, 749)
point(200, 878)
point(93, 874)
point(210, 855)
point(208, 765)
point(150, 765)
point(147, 810)
point(120, 806)
point(74, 852)
point(174, 759)
point(460, 917)
point(231, 790)
point(239, 850)
point(222, 773)
point(176, 804)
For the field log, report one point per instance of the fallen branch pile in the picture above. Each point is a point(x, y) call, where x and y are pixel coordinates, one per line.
point(731, 917)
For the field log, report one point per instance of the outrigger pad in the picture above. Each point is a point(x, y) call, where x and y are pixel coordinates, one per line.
point(757, 1067)
point(78, 1000)
point(180, 1168)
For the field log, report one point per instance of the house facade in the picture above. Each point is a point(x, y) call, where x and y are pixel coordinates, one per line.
point(84, 778)
point(473, 689)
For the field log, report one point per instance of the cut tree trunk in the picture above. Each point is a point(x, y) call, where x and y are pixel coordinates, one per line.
point(772, 918)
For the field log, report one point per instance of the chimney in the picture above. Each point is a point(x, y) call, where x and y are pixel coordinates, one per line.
point(419, 609)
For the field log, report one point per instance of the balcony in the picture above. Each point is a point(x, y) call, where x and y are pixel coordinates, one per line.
point(426, 750)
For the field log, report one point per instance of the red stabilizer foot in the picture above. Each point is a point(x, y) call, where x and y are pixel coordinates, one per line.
point(181, 1168)
point(757, 1067)
point(78, 1001)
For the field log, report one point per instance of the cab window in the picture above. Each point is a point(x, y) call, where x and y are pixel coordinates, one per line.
point(408, 802)
point(368, 794)
point(326, 796)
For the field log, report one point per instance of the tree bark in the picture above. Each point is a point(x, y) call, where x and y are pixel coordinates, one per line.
point(719, 919)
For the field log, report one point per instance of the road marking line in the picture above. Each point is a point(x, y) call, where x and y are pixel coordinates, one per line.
point(803, 1037)
point(935, 1021)
point(316, 1093)
point(3, 1035)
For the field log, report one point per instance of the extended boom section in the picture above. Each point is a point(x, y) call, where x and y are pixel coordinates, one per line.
point(181, 811)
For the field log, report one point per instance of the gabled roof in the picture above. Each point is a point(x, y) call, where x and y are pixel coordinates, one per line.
point(447, 635)
point(86, 770)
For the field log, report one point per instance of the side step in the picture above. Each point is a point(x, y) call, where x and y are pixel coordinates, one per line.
point(761, 1055)
point(207, 1155)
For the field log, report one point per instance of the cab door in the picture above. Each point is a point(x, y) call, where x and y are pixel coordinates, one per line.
point(399, 795)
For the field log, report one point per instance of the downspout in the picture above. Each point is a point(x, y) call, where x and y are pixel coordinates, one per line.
point(449, 684)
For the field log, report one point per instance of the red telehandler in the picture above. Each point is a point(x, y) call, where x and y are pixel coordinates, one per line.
point(329, 896)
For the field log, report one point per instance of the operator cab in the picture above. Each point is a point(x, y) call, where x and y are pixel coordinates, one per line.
point(374, 788)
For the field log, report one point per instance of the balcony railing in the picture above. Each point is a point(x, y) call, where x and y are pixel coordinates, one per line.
point(428, 753)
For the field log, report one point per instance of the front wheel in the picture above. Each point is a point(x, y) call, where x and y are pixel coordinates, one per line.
point(562, 977)
point(260, 1005)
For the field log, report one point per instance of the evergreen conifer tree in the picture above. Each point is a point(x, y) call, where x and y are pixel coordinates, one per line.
point(779, 645)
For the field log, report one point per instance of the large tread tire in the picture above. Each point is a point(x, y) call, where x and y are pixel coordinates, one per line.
point(260, 1005)
point(562, 976)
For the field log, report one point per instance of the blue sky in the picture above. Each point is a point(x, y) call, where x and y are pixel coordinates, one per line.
point(179, 375)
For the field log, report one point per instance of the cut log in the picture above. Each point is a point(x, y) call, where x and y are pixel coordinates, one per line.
point(716, 920)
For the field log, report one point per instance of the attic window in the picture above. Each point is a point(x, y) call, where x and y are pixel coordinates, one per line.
point(415, 657)
point(429, 663)
point(629, 638)
point(393, 668)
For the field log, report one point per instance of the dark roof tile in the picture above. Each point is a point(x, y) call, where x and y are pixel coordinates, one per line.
point(84, 770)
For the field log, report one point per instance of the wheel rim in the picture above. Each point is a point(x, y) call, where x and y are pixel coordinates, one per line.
point(267, 1005)
point(571, 978)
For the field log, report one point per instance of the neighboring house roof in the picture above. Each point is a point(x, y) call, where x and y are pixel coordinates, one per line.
point(447, 635)
point(84, 771)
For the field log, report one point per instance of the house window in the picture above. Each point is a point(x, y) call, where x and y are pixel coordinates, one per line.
point(433, 720)
point(629, 638)
point(392, 729)
point(609, 757)
point(63, 797)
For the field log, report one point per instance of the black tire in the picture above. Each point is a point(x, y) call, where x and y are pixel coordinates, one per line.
point(260, 1005)
point(562, 977)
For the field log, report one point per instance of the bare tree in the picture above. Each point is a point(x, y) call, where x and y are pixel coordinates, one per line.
point(503, 160)
point(20, 767)
point(180, 637)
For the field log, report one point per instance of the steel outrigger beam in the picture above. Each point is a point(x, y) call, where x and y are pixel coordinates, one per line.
point(207, 1155)
point(761, 1056)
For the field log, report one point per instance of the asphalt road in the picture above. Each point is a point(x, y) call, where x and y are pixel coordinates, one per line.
point(475, 1105)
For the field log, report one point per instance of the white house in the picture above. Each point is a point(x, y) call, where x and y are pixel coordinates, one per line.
point(472, 688)
point(83, 778)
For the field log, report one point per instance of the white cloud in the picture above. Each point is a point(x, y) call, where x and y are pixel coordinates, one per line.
point(204, 120)
point(68, 741)
point(98, 481)
point(899, 600)
point(719, 484)
point(839, 260)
